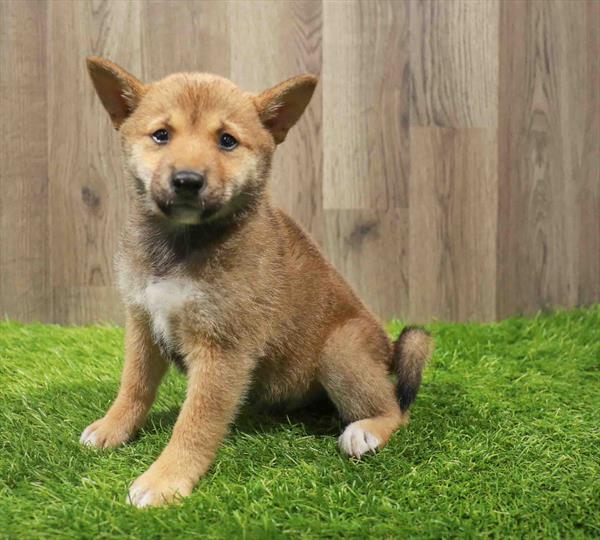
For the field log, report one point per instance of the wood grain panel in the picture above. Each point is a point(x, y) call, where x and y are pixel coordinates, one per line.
point(184, 36)
point(588, 197)
point(286, 41)
point(24, 280)
point(547, 156)
point(453, 201)
point(88, 192)
point(365, 104)
point(449, 162)
point(454, 63)
point(370, 247)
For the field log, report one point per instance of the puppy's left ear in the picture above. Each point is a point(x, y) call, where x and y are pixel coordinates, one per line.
point(119, 91)
point(280, 107)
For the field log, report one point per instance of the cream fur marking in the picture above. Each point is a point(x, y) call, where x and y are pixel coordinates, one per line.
point(152, 489)
point(356, 441)
point(136, 163)
point(88, 437)
point(104, 434)
point(141, 498)
point(162, 298)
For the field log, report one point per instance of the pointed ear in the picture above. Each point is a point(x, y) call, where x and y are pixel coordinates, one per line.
point(119, 91)
point(280, 107)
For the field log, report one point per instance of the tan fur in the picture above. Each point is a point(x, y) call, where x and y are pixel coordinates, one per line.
point(232, 287)
point(144, 368)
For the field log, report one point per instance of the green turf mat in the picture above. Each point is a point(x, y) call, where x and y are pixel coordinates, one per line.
point(504, 442)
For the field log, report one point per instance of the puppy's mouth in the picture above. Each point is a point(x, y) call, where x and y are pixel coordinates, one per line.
point(187, 212)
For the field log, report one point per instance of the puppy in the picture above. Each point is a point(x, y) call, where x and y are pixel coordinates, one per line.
point(218, 281)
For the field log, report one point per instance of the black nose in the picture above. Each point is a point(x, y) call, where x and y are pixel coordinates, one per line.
point(187, 183)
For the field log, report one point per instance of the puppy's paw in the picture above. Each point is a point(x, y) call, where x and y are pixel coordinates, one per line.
point(156, 489)
point(356, 441)
point(105, 433)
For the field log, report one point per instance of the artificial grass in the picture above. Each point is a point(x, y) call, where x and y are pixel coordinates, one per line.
point(504, 442)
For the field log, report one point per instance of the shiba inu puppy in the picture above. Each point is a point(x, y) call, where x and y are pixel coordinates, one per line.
point(220, 282)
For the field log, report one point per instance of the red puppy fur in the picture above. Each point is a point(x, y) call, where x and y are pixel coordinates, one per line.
point(219, 281)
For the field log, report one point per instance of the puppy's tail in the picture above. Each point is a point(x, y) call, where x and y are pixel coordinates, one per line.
point(412, 350)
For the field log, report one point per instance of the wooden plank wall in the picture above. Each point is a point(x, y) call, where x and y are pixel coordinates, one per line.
point(449, 164)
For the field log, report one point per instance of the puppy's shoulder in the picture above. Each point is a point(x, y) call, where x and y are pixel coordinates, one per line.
point(295, 237)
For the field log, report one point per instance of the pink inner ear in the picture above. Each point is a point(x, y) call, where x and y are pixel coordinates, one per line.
point(117, 96)
point(281, 107)
point(281, 119)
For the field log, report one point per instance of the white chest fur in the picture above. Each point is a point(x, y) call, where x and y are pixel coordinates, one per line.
point(163, 299)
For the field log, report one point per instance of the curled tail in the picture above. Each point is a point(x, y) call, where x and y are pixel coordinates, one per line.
point(412, 350)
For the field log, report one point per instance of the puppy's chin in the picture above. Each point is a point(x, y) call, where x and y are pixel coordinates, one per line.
point(185, 215)
point(179, 214)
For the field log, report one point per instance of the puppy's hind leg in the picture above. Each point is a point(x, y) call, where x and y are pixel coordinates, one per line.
point(354, 369)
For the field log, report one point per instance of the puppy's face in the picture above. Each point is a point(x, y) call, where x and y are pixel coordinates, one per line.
point(198, 147)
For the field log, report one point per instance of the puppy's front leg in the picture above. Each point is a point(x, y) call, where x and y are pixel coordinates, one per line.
point(142, 373)
point(217, 381)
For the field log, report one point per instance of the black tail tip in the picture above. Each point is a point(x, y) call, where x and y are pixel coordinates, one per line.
point(412, 350)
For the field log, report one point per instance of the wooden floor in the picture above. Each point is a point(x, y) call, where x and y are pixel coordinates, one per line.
point(449, 164)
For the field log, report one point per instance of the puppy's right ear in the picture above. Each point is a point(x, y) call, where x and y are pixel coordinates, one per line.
point(119, 91)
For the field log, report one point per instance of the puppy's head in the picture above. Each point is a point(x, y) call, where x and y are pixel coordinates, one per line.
point(198, 147)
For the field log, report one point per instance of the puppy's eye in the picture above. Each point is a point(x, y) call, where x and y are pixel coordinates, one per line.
point(227, 142)
point(160, 136)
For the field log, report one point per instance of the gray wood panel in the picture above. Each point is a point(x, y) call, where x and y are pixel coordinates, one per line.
point(452, 225)
point(365, 104)
point(24, 268)
point(449, 164)
point(88, 191)
point(186, 36)
point(454, 63)
point(548, 157)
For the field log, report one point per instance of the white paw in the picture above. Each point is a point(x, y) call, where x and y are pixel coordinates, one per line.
point(356, 441)
point(153, 489)
point(88, 437)
point(105, 434)
point(140, 497)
